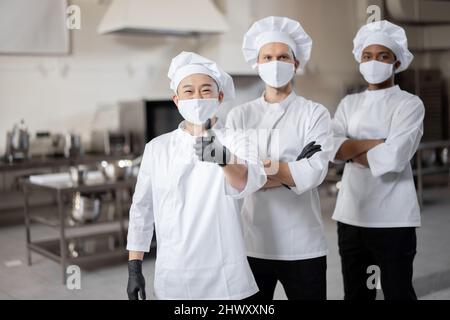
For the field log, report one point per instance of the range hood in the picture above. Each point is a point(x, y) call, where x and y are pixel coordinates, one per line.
point(174, 17)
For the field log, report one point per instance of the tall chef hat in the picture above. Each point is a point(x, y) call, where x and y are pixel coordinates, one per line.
point(188, 63)
point(277, 29)
point(386, 34)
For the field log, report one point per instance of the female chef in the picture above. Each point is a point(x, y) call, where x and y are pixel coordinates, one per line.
point(376, 133)
point(191, 195)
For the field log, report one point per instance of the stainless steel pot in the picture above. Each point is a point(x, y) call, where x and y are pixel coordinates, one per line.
point(85, 209)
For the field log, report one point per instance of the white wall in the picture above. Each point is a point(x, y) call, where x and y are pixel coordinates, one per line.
point(64, 93)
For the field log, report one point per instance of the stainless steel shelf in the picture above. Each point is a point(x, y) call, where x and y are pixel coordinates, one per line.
point(61, 249)
point(82, 249)
point(49, 216)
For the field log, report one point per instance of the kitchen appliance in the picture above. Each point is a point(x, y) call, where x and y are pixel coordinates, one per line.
point(110, 142)
point(154, 17)
point(147, 119)
point(46, 144)
point(17, 143)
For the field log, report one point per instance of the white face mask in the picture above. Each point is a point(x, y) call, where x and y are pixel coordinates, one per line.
point(198, 111)
point(276, 73)
point(376, 72)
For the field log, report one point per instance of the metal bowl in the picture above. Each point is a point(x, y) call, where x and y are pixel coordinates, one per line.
point(85, 209)
point(116, 170)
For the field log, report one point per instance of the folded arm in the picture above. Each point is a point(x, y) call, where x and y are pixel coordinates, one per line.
point(403, 139)
point(355, 149)
point(236, 174)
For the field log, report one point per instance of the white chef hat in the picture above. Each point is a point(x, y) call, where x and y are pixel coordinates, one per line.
point(188, 63)
point(386, 34)
point(277, 29)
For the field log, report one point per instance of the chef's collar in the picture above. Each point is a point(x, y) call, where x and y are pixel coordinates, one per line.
point(376, 94)
point(185, 133)
point(279, 105)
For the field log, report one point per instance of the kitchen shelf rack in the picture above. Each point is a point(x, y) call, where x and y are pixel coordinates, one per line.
point(62, 249)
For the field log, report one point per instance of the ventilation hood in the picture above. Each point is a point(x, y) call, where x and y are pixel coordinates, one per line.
point(175, 17)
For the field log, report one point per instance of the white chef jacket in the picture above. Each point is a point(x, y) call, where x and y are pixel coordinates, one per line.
point(384, 194)
point(201, 251)
point(283, 224)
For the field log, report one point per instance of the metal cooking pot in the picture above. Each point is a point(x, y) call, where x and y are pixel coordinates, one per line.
point(85, 209)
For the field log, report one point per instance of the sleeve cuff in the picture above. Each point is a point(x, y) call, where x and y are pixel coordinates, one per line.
point(337, 143)
point(256, 179)
point(305, 176)
point(376, 166)
point(139, 241)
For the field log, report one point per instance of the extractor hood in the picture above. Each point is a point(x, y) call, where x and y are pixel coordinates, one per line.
point(177, 17)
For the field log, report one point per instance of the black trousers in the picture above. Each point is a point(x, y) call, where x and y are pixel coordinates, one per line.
point(301, 279)
point(392, 250)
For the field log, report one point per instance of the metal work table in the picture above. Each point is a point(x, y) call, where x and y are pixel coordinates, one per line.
point(19, 169)
point(52, 162)
point(112, 243)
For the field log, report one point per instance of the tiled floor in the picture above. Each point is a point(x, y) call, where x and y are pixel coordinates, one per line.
point(43, 279)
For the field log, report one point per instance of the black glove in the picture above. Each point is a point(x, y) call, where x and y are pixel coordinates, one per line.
point(136, 281)
point(308, 151)
point(210, 149)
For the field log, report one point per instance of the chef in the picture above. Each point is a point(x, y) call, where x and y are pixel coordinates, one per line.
point(283, 224)
point(376, 133)
point(191, 195)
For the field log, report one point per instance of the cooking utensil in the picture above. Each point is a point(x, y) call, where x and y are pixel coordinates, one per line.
point(17, 143)
point(120, 169)
point(85, 209)
point(78, 174)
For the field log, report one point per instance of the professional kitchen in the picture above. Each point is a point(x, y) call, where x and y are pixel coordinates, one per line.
point(329, 125)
